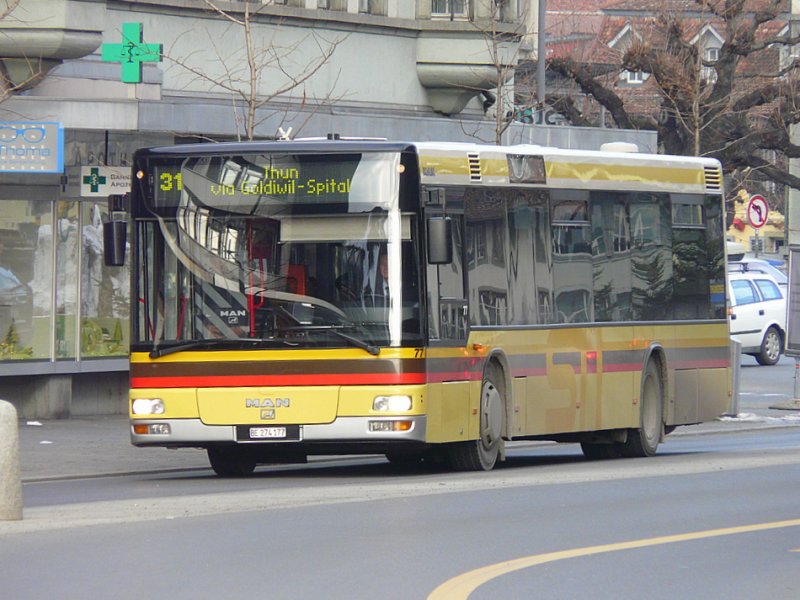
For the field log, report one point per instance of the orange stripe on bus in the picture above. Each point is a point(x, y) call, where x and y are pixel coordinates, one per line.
point(256, 380)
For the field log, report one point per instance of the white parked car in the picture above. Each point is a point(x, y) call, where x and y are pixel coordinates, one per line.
point(757, 315)
point(757, 265)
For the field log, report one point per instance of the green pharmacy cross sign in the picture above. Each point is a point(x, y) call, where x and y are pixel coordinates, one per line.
point(132, 52)
point(94, 180)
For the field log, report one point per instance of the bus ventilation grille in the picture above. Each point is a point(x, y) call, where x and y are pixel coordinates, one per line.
point(713, 179)
point(474, 167)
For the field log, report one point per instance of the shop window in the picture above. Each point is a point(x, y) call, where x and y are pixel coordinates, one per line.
point(58, 301)
point(25, 256)
point(67, 235)
point(105, 304)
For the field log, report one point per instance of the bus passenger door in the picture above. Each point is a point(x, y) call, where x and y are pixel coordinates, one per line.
point(449, 405)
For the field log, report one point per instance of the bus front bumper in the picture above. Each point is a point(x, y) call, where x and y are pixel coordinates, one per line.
point(195, 433)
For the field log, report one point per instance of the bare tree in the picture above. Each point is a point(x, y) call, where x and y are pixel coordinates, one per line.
point(501, 33)
point(246, 80)
point(503, 47)
point(738, 108)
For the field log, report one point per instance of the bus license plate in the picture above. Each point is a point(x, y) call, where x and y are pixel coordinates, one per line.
point(262, 433)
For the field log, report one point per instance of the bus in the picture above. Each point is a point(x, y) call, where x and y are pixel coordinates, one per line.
point(422, 301)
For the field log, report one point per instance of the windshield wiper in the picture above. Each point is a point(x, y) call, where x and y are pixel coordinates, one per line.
point(336, 330)
point(157, 352)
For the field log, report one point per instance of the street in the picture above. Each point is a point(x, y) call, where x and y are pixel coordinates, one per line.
point(713, 515)
point(364, 530)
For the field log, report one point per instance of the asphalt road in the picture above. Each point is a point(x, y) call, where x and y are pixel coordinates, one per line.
point(713, 515)
point(547, 524)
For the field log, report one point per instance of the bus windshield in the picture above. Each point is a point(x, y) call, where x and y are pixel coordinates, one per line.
point(250, 259)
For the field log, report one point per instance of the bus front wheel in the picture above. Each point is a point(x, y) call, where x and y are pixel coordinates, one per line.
point(230, 461)
point(482, 454)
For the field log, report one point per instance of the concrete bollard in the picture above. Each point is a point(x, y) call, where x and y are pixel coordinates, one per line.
point(736, 375)
point(10, 482)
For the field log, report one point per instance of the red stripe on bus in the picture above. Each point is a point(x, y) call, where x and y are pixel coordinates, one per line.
point(254, 380)
point(442, 376)
point(711, 363)
point(621, 367)
point(531, 372)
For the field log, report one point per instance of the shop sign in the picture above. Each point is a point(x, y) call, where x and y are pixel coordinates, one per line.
point(132, 52)
point(31, 147)
point(104, 181)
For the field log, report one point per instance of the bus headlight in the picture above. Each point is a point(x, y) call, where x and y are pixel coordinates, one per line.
point(148, 406)
point(391, 403)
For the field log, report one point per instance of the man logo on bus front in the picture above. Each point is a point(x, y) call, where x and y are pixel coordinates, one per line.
point(266, 402)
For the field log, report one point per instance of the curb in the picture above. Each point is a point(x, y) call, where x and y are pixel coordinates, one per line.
point(793, 404)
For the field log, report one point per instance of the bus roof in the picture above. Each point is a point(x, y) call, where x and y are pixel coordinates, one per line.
point(465, 163)
point(375, 145)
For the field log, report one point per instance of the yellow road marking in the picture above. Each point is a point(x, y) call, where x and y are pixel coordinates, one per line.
point(462, 586)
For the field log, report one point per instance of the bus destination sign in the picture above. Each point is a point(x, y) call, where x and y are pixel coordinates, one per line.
point(284, 182)
point(314, 182)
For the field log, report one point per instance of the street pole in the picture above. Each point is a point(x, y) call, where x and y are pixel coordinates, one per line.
point(541, 53)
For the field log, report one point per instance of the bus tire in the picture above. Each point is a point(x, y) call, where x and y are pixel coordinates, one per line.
point(770, 351)
point(482, 454)
point(644, 440)
point(231, 461)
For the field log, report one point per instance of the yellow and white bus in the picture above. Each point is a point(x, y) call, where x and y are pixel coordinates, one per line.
point(422, 300)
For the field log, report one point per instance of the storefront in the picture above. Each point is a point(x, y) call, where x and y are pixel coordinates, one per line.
point(115, 77)
point(64, 315)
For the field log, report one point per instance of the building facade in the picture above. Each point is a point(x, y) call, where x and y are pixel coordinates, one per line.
point(87, 82)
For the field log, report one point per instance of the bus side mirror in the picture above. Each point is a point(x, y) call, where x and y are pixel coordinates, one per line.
point(114, 240)
point(115, 232)
point(440, 240)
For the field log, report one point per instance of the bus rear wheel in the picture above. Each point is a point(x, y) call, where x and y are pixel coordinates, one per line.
point(231, 461)
point(482, 454)
point(644, 440)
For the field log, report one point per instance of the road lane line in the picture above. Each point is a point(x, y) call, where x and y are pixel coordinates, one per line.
point(460, 587)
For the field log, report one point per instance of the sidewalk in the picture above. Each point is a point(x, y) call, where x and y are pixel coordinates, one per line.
point(95, 446)
point(92, 446)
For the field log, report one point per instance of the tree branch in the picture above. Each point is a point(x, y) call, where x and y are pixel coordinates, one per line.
point(565, 105)
point(589, 85)
point(771, 172)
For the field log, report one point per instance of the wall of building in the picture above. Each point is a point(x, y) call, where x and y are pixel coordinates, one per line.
point(64, 315)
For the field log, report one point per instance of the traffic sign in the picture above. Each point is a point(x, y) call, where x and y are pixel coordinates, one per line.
point(757, 211)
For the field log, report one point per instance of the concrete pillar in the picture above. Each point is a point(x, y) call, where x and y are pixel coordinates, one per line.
point(10, 482)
